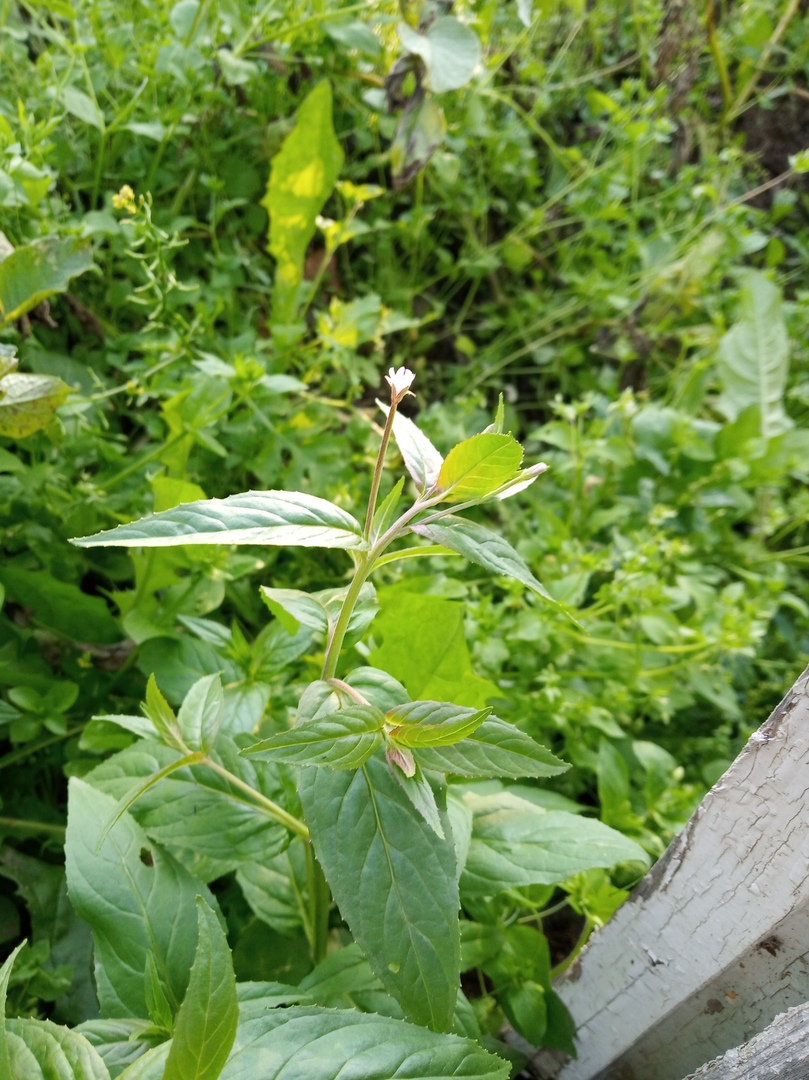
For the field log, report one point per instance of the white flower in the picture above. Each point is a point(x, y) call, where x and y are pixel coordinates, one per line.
point(400, 382)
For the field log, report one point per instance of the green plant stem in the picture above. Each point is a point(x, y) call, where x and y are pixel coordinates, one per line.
point(752, 82)
point(319, 906)
point(32, 748)
point(335, 644)
point(272, 808)
point(20, 825)
point(584, 937)
point(380, 465)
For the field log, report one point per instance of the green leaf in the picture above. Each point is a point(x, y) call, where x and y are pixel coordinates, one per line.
point(118, 1042)
point(386, 511)
point(354, 34)
point(5, 975)
point(160, 713)
point(150, 1066)
point(423, 645)
point(496, 748)
point(483, 547)
point(28, 402)
point(41, 1050)
point(326, 1044)
point(82, 106)
point(516, 843)
point(753, 358)
point(32, 273)
point(419, 133)
point(206, 824)
point(302, 177)
point(341, 740)
point(450, 51)
point(61, 606)
point(394, 882)
point(421, 458)
point(255, 517)
point(477, 467)
point(319, 611)
point(433, 723)
point(207, 1020)
point(201, 712)
point(419, 791)
point(157, 1003)
point(135, 897)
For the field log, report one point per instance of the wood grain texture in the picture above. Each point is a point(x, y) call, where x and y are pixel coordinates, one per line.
point(714, 943)
point(780, 1052)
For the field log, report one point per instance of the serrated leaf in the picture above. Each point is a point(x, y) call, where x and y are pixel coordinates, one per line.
point(394, 882)
point(135, 897)
point(320, 610)
point(41, 1050)
point(753, 360)
point(482, 546)
point(516, 843)
point(28, 402)
point(421, 458)
point(32, 273)
point(477, 467)
point(496, 748)
point(433, 723)
point(118, 1042)
point(302, 177)
point(201, 712)
point(327, 1044)
point(341, 740)
point(207, 1020)
point(255, 517)
point(206, 824)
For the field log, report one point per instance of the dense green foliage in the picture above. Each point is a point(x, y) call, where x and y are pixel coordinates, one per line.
point(220, 224)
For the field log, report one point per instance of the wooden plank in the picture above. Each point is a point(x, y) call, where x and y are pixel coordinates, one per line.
point(714, 942)
point(780, 1052)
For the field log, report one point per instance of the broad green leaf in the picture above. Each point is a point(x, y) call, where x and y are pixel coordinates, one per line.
point(61, 606)
point(477, 467)
point(41, 1050)
point(343, 981)
point(450, 50)
point(270, 887)
point(302, 177)
point(394, 882)
point(379, 687)
point(419, 133)
point(256, 517)
point(433, 723)
point(354, 34)
point(423, 645)
point(135, 897)
point(201, 712)
point(421, 458)
point(483, 547)
point(150, 1066)
point(118, 1042)
point(82, 106)
point(310, 1043)
point(341, 740)
point(516, 843)
point(206, 824)
point(32, 273)
point(28, 402)
point(496, 748)
point(206, 1023)
point(753, 359)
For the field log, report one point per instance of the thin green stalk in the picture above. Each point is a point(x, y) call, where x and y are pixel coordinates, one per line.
point(380, 464)
point(335, 644)
point(272, 808)
point(21, 825)
point(32, 748)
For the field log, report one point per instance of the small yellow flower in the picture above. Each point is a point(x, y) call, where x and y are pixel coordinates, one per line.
point(125, 200)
